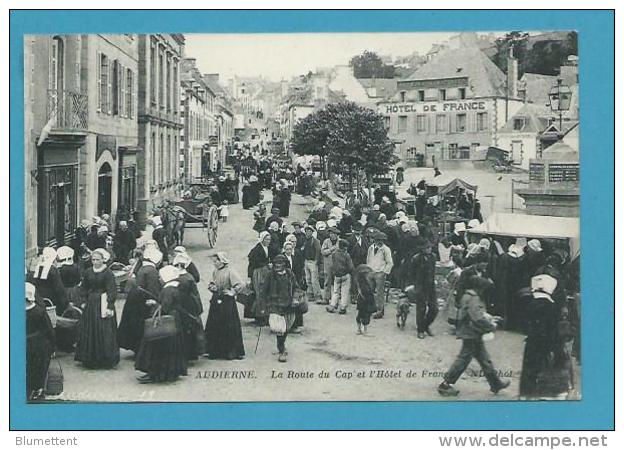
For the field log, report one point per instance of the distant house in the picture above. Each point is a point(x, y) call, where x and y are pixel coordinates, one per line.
point(521, 134)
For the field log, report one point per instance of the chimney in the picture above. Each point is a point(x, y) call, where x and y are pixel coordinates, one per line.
point(512, 75)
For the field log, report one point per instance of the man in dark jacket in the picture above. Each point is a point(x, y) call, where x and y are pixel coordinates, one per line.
point(423, 269)
point(123, 243)
point(358, 245)
point(311, 258)
point(342, 267)
point(472, 323)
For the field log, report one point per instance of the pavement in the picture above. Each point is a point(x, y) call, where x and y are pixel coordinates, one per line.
point(328, 361)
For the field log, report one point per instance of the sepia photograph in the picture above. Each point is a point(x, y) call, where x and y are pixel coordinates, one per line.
point(294, 217)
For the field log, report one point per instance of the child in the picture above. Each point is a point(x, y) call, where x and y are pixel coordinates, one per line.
point(366, 305)
point(224, 212)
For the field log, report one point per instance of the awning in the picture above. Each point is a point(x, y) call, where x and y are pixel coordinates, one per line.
point(447, 185)
point(539, 227)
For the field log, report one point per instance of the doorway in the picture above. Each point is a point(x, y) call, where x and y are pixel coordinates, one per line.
point(105, 186)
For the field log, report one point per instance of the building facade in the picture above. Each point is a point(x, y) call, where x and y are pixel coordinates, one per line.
point(450, 109)
point(81, 132)
point(200, 152)
point(159, 120)
point(55, 130)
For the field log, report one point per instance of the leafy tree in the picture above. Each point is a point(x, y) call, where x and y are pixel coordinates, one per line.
point(370, 65)
point(349, 135)
point(517, 40)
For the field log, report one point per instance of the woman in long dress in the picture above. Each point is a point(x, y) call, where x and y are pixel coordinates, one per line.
point(224, 338)
point(39, 345)
point(136, 309)
point(191, 302)
point(257, 271)
point(70, 276)
point(546, 365)
point(190, 265)
point(97, 339)
point(164, 359)
point(47, 280)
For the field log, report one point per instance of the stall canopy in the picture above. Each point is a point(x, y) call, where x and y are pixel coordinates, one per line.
point(446, 185)
point(540, 227)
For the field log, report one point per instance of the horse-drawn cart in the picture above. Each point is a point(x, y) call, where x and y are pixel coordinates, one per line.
point(199, 211)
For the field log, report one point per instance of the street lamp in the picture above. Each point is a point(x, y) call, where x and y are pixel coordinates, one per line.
point(560, 97)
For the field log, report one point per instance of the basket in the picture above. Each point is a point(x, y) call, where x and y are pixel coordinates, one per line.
point(51, 310)
point(70, 318)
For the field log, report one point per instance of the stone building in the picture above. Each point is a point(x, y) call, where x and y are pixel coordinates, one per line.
point(451, 108)
point(81, 132)
point(199, 123)
point(159, 120)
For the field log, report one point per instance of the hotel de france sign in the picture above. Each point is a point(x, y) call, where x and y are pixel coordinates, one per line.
point(439, 107)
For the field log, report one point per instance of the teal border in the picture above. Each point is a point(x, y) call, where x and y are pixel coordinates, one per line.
point(594, 412)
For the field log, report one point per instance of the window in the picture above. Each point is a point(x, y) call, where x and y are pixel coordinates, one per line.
point(153, 159)
point(482, 121)
point(129, 94)
point(161, 157)
point(421, 96)
point(462, 93)
point(176, 87)
point(453, 151)
point(153, 73)
point(460, 123)
point(104, 84)
point(519, 123)
point(57, 63)
point(402, 94)
point(402, 124)
point(421, 123)
point(169, 87)
point(442, 94)
point(464, 152)
point(441, 124)
point(161, 80)
point(169, 161)
point(116, 88)
point(387, 122)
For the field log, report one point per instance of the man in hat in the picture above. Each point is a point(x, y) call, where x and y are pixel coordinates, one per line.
point(330, 245)
point(423, 273)
point(123, 243)
point(299, 234)
point(473, 323)
point(311, 257)
point(379, 259)
point(373, 216)
point(160, 236)
point(358, 245)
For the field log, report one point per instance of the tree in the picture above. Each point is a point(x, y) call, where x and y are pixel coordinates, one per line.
point(370, 65)
point(349, 135)
point(517, 40)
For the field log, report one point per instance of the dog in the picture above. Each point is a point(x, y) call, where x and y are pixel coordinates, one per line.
point(403, 309)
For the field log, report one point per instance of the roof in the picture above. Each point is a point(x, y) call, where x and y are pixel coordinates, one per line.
point(444, 185)
point(538, 86)
point(485, 78)
point(386, 87)
point(537, 119)
point(519, 225)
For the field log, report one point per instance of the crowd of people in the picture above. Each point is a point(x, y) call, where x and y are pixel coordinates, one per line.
point(342, 255)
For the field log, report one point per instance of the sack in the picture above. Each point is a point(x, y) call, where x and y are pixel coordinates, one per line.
point(159, 326)
point(70, 318)
point(51, 310)
point(54, 379)
point(301, 301)
point(277, 323)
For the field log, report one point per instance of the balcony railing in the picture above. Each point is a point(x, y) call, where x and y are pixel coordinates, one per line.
point(69, 110)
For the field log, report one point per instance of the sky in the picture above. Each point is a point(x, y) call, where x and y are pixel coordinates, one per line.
point(282, 56)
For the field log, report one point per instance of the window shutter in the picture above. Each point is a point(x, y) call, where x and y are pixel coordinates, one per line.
point(122, 95)
point(111, 71)
point(132, 94)
point(98, 68)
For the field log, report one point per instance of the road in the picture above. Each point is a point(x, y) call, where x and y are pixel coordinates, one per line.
point(328, 361)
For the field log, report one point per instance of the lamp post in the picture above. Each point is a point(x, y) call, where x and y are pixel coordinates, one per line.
point(560, 97)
